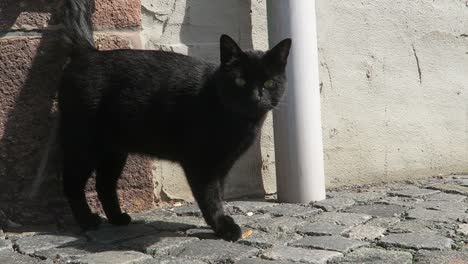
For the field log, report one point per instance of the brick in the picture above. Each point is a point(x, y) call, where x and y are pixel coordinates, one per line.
point(25, 14)
point(111, 14)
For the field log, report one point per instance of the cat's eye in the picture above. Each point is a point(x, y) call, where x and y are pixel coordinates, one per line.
point(240, 82)
point(268, 84)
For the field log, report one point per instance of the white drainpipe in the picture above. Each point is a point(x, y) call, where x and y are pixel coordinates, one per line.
point(297, 121)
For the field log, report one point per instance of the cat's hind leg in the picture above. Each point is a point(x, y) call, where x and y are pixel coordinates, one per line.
point(109, 169)
point(78, 165)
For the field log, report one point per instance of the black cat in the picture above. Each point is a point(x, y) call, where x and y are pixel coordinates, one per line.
point(162, 104)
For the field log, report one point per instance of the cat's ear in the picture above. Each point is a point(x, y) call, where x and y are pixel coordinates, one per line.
point(278, 55)
point(229, 50)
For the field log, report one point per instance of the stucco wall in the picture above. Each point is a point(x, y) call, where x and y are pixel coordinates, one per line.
point(393, 76)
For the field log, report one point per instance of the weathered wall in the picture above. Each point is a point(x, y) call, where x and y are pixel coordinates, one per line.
point(395, 94)
point(30, 66)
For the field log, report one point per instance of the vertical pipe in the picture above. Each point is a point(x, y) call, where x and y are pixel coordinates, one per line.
point(297, 122)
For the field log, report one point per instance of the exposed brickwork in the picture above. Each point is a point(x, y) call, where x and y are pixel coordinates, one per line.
point(117, 14)
point(30, 70)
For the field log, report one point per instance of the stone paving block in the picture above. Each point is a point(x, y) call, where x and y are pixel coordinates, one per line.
point(335, 243)
point(245, 220)
point(32, 244)
point(73, 251)
point(449, 188)
point(8, 256)
point(263, 261)
point(434, 215)
point(365, 232)
point(300, 255)
point(321, 229)
point(278, 224)
point(215, 251)
point(244, 207)
point(413, 226)
point(447, 197)
point(414, 192)
point(381, 210)
point(164, 244)
point(441, 257)
point(376, 256)
point(5, 244)
point(110, 257)
point(178, 223)
point(111, 234)
point(444, 206)
point(346, 219)
point(417, 241)
point(170, 260)
point(264, 240)
point(187, 210)
point(150, 216)
point(384, 222)
point(358, 197)
point(400, 201)
point(335, 204)
point(463, 229)
point(295, 210)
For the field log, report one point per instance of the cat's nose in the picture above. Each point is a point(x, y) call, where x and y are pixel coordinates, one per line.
point(256, 95)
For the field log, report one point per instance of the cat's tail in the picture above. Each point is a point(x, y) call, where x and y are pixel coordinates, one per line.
point(77, 25)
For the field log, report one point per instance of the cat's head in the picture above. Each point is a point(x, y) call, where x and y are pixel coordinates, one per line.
point(252, 82)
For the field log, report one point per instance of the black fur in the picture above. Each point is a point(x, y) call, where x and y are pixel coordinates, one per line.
point(165, 105)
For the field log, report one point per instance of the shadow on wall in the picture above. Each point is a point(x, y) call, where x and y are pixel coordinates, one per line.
point(31, 61)
point(203, 23)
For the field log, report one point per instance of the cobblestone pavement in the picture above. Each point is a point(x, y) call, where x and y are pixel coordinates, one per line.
point(412, 222)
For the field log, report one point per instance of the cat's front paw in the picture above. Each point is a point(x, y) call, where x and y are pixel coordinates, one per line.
point(227, 229)
point(121, 219)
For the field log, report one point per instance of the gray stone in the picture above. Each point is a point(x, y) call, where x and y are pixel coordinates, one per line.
point(245, 220)
point(359, 197)
point(110, 257)
point(188, 210)
point(377, 256)
point(178, 223)
point(73, 251)
point(381, 210)
point(346, 219)
point(335, 243)
point(278, 224)
point(413, 226)
point(450, 188)
point(365, 232)
point(434, 215)
point(296, 210)
point(335, 204)
point(201, 233)
point(441, 257)
point(447, 197)
point(151, 215)
point(459, 207)
point(8, 256)
point(384, 222)
point(400, 201)
point(165, 244)
point(111, 234)
point(463, 229)
point(414, 192)
point(244, 207)
point(300, 255)
point(264, 240)
point(417, 241)
point(215, 251)
point(32, 244)
point(263, 261)
point(170, 260)
point(321, 229)
point(5, 244)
